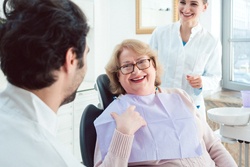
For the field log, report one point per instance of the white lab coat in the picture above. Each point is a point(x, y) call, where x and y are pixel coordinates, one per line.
point(200, 56)
point(27, 132)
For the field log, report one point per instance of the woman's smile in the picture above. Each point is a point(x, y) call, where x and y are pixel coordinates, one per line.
point(138, 79)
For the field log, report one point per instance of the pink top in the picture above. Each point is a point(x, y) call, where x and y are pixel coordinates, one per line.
point(214, 153)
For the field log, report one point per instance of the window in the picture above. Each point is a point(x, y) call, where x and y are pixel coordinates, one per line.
point(236, 44)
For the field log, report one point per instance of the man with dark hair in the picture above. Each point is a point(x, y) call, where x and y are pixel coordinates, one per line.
point(43, 53)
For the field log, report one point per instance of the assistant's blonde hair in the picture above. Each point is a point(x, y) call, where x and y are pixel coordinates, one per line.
point(140, 48)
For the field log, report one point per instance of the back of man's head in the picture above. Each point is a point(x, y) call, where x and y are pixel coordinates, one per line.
point(35, 38)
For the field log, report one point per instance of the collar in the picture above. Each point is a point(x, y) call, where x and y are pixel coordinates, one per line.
point(194, 30)
point(28, 105)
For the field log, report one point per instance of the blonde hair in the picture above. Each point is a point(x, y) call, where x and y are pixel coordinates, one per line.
point(140, 48)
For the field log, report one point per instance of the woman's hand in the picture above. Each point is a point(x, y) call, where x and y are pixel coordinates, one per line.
point(195, 81)
point(129, 121)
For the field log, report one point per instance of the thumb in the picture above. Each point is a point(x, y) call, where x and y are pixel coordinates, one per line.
point(131, 108)
point(188, 77)
point(114, 115)
point(196, 77)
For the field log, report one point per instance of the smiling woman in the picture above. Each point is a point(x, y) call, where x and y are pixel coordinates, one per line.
point(143, 126)
point(190, 54)
point(130, 53)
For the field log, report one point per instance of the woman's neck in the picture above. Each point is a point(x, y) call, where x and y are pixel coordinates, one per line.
point(186, 30)
point(189, 23)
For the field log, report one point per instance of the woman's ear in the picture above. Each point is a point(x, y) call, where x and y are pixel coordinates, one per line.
point(205, 7)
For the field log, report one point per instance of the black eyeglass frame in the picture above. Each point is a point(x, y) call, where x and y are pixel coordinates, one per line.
point(135, 64)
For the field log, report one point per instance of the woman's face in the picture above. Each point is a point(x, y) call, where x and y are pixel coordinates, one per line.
point(139, 82)
point(190, 10)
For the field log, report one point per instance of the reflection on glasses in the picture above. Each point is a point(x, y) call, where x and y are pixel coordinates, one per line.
point(129, 68)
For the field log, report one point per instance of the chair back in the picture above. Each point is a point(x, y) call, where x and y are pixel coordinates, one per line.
point(106, 97)
point(90, 113)
point(88, 134)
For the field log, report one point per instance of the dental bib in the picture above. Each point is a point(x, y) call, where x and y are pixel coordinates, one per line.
point(171, 131)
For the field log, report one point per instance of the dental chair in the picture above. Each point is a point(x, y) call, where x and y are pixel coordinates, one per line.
point(88, 134)
point(103, 88)
point(91, 112)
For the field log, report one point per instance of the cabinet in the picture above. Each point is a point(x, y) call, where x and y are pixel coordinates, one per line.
point(69, 117)
point(65, 125)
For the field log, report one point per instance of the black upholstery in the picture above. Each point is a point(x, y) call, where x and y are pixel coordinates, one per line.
point(106, 96)
point(91, 112)
point(88, 134)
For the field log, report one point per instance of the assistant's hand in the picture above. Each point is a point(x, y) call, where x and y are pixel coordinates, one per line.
point(195, 81)
point(129, 121)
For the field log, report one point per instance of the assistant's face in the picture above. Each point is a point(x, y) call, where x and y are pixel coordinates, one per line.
point(139, 82)
point(77, 79)
point(190, 10)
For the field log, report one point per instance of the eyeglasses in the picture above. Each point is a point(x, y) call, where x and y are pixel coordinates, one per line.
point(129, 68)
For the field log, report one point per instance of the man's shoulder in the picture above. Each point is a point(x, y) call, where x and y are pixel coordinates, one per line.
point(39, 146)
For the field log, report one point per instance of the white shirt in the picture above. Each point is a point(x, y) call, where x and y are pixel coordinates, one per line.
point(27, 132)
point(200, 56)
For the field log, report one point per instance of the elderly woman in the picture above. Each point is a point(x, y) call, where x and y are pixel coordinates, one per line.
point(148, 125)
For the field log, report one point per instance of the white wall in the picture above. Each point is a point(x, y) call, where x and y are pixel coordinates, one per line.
point(1, 8)
point(2, 77)
point(114, 21)
point(211, 18)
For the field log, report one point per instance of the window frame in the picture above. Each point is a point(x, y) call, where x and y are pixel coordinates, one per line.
point(227, 51)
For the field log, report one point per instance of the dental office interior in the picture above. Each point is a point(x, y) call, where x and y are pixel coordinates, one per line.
point(112, 21)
